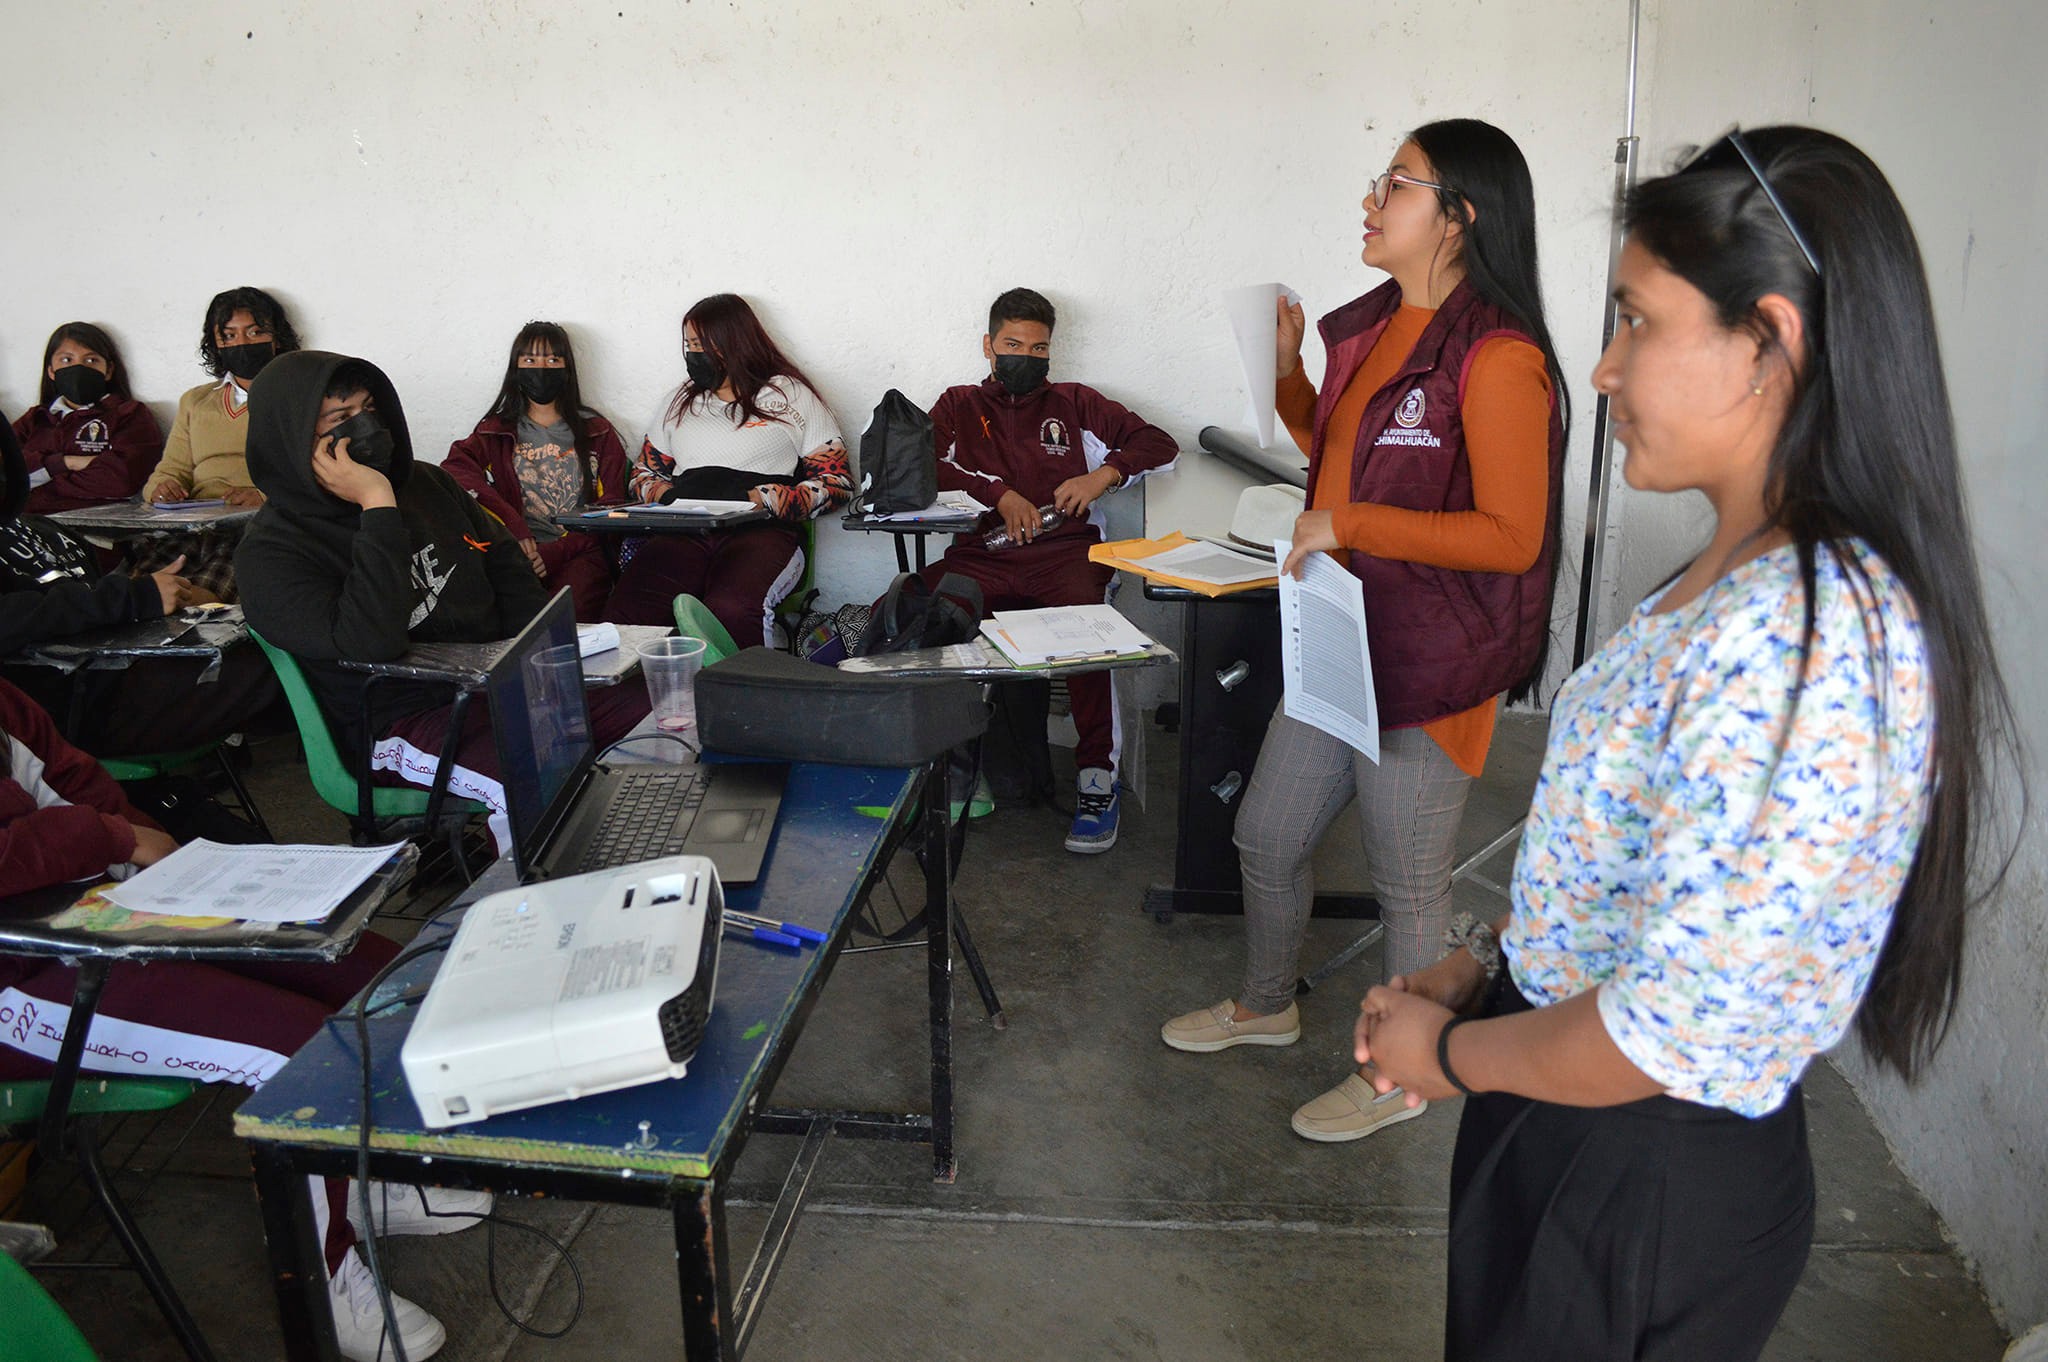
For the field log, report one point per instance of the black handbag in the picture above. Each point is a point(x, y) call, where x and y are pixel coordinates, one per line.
point(899, 467)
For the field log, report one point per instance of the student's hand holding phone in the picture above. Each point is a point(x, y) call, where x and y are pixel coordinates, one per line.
point(1292, 325)
point(244, 496)
point(168, 490)
point(151, 845)
point(1020, 517)
point(341, 476)
point(532, 552)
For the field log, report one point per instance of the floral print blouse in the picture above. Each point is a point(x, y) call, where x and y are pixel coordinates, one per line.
point(1720, 862)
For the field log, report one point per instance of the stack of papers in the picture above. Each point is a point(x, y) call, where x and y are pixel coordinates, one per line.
point(683, 506)
point(1062, 634)
point(1176, 560)
point(949, 506)
point(301, 883)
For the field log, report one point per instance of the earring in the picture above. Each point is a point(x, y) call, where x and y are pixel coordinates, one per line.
point(1757, 389)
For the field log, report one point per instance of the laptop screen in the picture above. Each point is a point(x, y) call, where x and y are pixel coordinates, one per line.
point(542, 726)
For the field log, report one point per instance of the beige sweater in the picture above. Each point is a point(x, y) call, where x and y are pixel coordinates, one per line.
point(204, 452)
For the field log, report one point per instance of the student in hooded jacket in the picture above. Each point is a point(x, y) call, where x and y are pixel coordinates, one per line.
point(540, 453)
point(87, 440)
point(745, 425)
point(51, 588)
point(64, 822)
point(360, 551)
point(245, 329)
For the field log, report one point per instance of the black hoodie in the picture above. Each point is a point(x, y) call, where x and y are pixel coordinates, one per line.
point(324, 579)
point(50, 587)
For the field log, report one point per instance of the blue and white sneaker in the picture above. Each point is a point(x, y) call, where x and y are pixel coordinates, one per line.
point(1095, 812)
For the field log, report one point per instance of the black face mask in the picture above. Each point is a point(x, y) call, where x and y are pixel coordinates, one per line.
point(541, 386)
point(704, 369)
point(369, 444)
point(80, 384)
point(247, 361)
point(1021, 374)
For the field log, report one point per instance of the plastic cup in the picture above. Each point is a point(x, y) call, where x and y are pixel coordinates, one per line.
point(671, 666)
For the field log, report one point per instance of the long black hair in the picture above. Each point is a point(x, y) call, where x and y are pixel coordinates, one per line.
point(263, 309)
point(727, 327)
point(95, 340)
point(1867, 453)
point(1490, 194)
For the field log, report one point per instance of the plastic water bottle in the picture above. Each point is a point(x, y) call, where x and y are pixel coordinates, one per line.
point(1049, 518)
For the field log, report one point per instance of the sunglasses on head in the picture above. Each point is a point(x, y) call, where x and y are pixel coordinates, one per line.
point(1716, 154)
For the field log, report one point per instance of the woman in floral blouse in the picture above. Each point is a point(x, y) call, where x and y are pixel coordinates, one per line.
point(1757, 815)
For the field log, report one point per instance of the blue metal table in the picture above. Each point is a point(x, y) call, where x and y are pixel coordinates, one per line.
point(671, 1144)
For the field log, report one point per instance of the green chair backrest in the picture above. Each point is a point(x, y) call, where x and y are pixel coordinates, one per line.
point(695, 619)
point(332, 780)
point(37, 1329)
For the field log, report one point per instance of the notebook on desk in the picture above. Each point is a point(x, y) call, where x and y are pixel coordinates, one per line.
point(570, 814)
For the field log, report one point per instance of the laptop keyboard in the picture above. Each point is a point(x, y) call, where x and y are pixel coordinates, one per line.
point(649, 816)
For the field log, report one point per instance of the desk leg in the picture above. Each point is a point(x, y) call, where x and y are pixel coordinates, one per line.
point(709, 1332)
point(444, 769)
point(85, 1001)
point(297, 1263)
point(903, 553)
point(938, 928)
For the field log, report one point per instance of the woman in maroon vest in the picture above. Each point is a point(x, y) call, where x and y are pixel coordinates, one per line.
point(1436, 448)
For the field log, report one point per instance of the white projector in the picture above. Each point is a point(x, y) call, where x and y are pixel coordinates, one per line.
point(569, 987)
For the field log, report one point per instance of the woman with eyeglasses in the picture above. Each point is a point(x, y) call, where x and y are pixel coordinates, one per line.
point(1436, 448)
point(1762, 800)
point(87, 436)
point(539, 453)
point(744, 425)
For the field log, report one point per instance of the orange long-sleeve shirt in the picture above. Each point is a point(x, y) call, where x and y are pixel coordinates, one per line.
point(1506, 417)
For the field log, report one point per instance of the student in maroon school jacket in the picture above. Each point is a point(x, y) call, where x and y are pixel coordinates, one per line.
point(1018, 443)
point(540, 453)
point(87, 435)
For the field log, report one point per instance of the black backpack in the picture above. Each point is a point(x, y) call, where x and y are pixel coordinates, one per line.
point(914, 614)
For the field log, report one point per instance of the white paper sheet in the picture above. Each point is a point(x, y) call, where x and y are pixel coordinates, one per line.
point(302, 883)
point(1201, 562)
point(1325, 666)
point(681, 506)
point(1032, 638)
point(949, 505)
point(1254, 321)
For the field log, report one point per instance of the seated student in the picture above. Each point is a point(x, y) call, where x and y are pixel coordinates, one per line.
point(245, 329)
point(1016, 443)
point(63, 821)
point(51, 587)
point(359, 552)
point(745, 425)
point(539, 453)
point(87, 436)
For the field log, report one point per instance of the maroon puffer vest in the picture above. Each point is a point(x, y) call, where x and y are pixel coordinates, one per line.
point(1442, 641)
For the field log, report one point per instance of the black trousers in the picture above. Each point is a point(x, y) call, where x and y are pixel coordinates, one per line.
point(1661, 1230)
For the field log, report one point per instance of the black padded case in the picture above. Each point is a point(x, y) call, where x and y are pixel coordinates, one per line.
point(761, 702)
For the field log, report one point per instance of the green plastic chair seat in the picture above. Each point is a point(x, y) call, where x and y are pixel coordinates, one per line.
point(154, 764)
point(22, 1101)
point(331, 779)
point(694, 618)
point(37, 1330)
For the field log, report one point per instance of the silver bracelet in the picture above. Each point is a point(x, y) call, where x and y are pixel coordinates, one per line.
point(1477, 937)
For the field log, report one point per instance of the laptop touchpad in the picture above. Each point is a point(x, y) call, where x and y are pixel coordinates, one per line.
point(728, 825)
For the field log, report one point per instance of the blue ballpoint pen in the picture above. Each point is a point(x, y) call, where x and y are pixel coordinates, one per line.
point(795, 929)
point(765, 936)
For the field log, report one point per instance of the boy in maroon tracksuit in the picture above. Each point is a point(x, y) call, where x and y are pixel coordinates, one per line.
point(1017, 443)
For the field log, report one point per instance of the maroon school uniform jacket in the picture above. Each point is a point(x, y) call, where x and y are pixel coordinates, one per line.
point(77, 840)
point(118, 433)
point(482, 465)
point(990, 442)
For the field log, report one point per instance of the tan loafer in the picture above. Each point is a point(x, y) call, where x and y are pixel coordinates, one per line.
point(1352, 1111)
point(1210, 1028)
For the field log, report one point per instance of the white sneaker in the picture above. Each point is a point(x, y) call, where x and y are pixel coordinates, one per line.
point(359, 1318)
point(402, 1209)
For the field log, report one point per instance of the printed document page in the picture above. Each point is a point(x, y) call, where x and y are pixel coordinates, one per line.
point(1323, 657)
point(301, 883)
point(1254, 321)
point(1034, 637)
point(1210, 563)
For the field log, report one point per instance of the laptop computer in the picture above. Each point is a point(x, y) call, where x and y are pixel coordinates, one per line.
point(570, 813)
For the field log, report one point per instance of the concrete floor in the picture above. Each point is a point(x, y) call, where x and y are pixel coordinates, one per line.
point(1116, 1199)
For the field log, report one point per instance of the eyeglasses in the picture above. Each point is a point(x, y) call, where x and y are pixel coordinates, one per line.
point(1710, 155)
point(1384, 186)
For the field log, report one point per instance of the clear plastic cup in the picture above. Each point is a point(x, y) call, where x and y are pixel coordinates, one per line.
point(671, 666)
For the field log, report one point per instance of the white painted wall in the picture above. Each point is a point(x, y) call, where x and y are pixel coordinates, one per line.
point(417, 181)
point(1945, 97)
